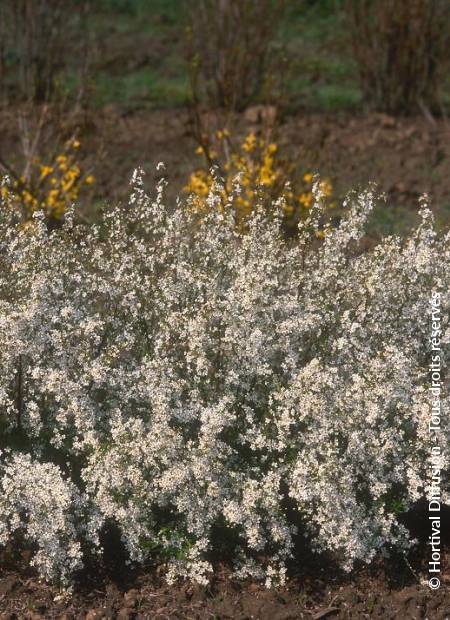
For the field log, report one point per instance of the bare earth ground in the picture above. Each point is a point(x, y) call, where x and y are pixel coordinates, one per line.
point(404, 156)
point(366, 594)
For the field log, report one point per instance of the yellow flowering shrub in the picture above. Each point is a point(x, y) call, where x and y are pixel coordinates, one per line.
point(50, 187)
point(262, 172)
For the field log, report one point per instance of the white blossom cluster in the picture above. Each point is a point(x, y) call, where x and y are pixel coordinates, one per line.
point(204, 388)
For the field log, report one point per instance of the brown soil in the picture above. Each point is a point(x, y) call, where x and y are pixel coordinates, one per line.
point(380, 592)
point(404, 156)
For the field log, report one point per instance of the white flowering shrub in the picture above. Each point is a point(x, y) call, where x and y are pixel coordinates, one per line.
point(202, 387)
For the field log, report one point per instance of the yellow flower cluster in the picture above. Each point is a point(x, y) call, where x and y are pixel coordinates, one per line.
point(261, 173)
point(50, 187)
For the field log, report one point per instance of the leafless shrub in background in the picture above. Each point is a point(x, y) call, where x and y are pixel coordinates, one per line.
point(35, 41)
point(36, 45)
point(400, 47)
point(235, 63)
point(231, 49)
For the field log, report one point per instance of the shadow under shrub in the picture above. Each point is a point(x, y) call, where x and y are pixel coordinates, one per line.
point(193, 374)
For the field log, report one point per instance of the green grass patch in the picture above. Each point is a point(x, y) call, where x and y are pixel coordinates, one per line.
point(144, 85)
